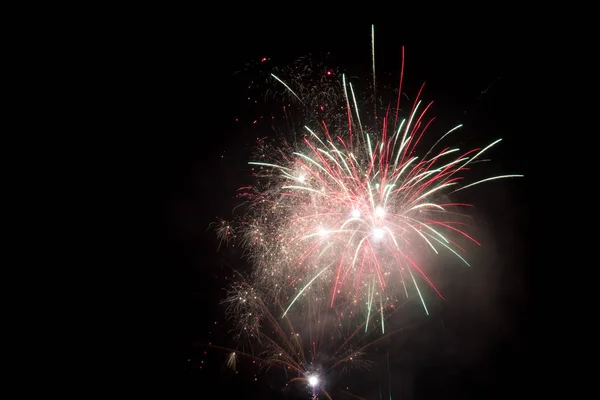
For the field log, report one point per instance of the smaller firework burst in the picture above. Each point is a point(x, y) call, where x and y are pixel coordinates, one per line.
point(224, 231)
point(231, 361)
point(356, 360)
point(244, 305)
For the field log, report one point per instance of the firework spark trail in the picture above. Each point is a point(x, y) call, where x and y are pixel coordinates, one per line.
point(399, 90)
point(373, 62)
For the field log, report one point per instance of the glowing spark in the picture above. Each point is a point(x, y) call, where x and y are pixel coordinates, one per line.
point(323, 232)
point(378, 233)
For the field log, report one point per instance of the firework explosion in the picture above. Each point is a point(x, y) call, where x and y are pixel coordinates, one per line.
point(343, 225)
point(345, 215)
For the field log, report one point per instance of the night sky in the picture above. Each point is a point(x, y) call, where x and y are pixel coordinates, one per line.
point(474, 344)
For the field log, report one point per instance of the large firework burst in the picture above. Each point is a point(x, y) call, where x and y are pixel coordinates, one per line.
point(346, 221)
point(347, 214)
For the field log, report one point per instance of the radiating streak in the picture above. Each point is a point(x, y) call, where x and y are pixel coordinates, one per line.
point(315, 135)
point(304, 288)
point(474, 157)
point(347, 101)
point(374, 80)
point(449, 248)
point(418, 291)
point(288, 88)
point(435, 189)
point(391, 235)
point(325, 249)
point(357, 250)
point(419, 177)
point(340, 154)
point(443, 154)
point(371, 291)
point(404, 168)
point(426, 205)
point(401, 149)
point(353, 219)
point(356, 108)
point(403, 284)
point(330, 157)
point(410, 119)
point(442, 138)
point(269, 165)
point(398, 132)
point(424, 238)
point(387, 191)
point(493, 178)
point(429, 227)
point(319, 166)
point(371, 194)
point(382, 318)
